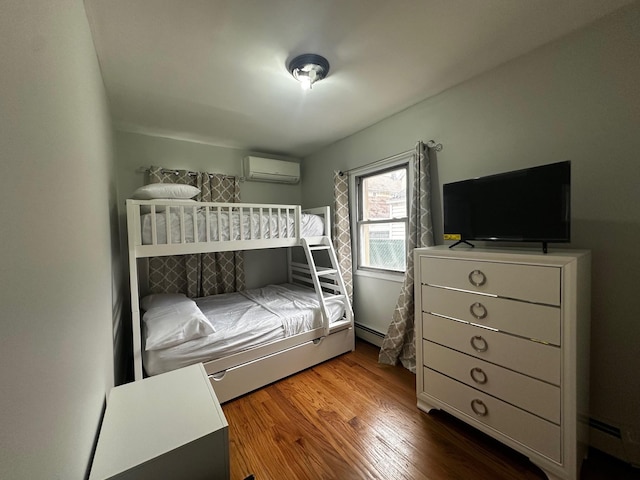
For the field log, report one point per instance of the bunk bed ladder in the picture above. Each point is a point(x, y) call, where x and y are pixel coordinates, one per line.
point(332, 273)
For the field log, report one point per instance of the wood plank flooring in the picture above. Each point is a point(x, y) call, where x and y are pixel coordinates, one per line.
point(352, 418)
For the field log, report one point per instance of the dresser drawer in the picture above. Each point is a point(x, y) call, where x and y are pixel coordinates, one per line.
point(531, 358)
point(532, 283)
point(526, 429)
point(529, 320)
point(532, 395)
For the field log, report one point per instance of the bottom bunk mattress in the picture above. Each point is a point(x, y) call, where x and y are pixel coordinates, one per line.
point(244, 320)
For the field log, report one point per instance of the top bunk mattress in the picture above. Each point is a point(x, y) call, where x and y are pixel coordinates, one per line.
point(243, 320)
point(225, 226)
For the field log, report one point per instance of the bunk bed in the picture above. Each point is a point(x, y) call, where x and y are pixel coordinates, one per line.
point(251, 338)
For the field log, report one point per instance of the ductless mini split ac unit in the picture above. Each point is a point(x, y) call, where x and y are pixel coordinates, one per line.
point(269, 170)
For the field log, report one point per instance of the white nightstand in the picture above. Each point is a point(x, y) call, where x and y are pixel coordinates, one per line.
point(169, 426)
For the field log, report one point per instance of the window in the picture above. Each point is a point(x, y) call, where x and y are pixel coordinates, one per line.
point(381, 221)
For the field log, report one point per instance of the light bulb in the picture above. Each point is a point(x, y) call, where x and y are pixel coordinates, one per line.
point(306, 76)
point(305, 82)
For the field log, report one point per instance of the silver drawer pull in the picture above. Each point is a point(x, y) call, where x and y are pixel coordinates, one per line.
point(479, 344)
point(478, 311)
point(477, 278)
point(479, 408)
point(478, 375)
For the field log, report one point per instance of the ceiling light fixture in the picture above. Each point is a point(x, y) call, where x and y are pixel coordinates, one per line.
point(308, 69)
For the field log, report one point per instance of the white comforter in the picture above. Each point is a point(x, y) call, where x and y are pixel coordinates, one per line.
point(243, 320)
point(272, 227)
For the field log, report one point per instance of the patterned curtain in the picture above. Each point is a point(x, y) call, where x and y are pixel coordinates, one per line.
point(198, 275)
point(399, 343)
point(342, 229)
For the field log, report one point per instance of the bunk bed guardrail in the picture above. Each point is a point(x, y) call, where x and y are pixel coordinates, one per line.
point(182, 227)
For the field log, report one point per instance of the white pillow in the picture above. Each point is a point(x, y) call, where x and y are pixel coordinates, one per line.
point(168, 326)
point(158, 300)
point(165, 190)
point(166, 202)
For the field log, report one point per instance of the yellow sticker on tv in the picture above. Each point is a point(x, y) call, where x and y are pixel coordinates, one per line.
point(452, 236)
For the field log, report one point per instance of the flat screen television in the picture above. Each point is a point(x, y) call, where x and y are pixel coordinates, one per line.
point(528, 205)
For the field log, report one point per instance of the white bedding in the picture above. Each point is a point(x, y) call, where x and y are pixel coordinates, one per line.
point(272, 227)
point(243, 320)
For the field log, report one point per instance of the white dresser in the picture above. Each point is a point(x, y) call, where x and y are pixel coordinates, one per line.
point(168, 427)
point(502, 342)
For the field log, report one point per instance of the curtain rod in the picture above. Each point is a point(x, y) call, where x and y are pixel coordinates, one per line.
point(176, 172)
point(430, 144)
point(435, 145)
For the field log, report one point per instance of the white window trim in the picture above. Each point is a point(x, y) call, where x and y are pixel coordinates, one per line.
point(403, 158)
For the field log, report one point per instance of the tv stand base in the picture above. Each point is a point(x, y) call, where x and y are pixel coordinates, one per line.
point(462, 241)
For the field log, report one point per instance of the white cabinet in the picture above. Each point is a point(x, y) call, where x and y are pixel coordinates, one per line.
point(169, 426)
point(502, 342)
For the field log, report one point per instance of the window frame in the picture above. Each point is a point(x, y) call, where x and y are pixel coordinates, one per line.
point(392, 163)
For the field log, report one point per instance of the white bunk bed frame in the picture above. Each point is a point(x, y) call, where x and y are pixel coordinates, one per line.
point(240, 373)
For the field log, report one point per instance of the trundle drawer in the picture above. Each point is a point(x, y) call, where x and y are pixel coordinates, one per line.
point(532, 395)
point(532, 283)
point(531, 358)
point(263, 370)
point(528, 320)
point(526, 429)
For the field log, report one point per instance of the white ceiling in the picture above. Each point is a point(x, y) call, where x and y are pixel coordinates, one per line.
point(214, 71)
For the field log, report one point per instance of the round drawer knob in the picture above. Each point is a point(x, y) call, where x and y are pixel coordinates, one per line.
point(477, 278)
point(479, 408)
point(478, 311)
point(478, 375)
point(479, 344)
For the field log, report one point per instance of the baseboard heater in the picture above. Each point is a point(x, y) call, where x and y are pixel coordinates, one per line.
point(605, 428)
point(370, 331)
point(622, 443)
point(369, 335)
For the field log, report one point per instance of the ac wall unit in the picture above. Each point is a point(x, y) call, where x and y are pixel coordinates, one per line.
point(269, 170)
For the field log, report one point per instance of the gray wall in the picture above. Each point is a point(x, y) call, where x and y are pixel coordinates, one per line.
point(58, 295)
point(134, 151)
point(575, 99)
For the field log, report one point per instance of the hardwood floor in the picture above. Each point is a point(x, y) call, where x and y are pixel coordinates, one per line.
point(352, 418)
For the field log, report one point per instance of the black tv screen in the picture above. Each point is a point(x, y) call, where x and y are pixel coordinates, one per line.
point(529, 205)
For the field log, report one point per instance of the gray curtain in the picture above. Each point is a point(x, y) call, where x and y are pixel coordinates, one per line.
point(203, 274)
point(399, 343)
point(342, 229)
